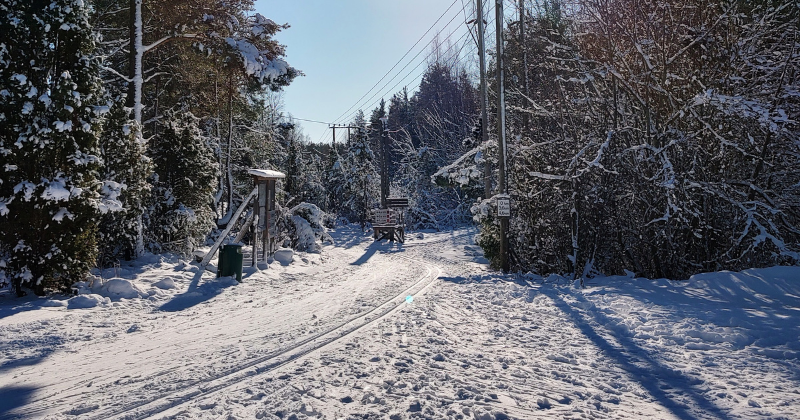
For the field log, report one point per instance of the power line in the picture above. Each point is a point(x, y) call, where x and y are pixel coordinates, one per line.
point(311, 121)
point(385, 92)
point(404, 56)
point(457, 59)
point(414, 69)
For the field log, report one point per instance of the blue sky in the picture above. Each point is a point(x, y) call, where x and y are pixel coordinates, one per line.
point(345, 46)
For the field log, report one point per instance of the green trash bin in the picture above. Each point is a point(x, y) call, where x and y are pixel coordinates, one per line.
point(230, 261)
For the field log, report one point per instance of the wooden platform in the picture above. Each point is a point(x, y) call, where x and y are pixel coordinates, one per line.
point(390, 232)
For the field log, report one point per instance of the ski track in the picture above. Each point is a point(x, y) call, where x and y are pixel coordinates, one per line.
point(335, 339)
point(271, 362)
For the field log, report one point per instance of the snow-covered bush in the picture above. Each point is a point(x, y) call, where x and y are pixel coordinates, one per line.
point(665, 153)
point(5, 279)
point(485, 215)
point(304, 227)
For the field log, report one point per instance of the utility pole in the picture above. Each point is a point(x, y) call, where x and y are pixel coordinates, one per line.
point(335, 126)
point(487, 166)
point(384, 162)
point(524, 75)
point(501, 131)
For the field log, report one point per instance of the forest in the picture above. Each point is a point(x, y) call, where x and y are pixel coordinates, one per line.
point(656, 138)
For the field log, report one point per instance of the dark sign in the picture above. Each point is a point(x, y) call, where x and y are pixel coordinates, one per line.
point(397, 202)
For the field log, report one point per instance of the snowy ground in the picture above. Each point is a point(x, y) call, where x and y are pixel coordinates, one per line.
point(334, 335)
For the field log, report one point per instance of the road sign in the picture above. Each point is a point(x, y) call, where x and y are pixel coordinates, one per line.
point(503, 207)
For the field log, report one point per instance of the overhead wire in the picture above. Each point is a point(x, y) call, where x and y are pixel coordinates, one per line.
point(327, 134)
point(384, 91)
point(401, 70)
point(392, 89)
point(311, 121)
point(404, 56)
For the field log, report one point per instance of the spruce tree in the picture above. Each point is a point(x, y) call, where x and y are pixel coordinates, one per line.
point(49, 197)
point(181, 213)
point(333, 181)
point(360, 175)
point(125, 164)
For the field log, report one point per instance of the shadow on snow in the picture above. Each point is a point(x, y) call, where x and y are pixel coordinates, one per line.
point(653, 376)
point(14, 397)
point(383, 247)
point(197, 293)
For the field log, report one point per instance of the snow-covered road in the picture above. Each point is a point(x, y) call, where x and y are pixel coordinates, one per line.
point(336, 336)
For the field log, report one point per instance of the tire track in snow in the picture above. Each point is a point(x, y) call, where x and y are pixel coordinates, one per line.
point(173, 402)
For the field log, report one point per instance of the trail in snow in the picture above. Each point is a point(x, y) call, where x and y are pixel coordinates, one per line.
point(332, 336)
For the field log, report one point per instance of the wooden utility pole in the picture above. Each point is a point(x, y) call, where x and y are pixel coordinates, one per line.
point(501, 130)
point(524, 75)
point(384, 162)
point(335, 126)
point(487, 166)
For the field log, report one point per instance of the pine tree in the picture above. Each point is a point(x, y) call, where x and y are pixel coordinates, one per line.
point(49, 191)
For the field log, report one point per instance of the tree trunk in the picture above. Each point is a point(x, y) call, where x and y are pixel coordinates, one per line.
point(136, 51)
point(228, 174)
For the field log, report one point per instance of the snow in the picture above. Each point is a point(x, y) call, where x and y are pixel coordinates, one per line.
point(86, 301)
point(266, 173)
point(109, 193)
point(165, 284)
point(307, 225)
point(61, 214)
point(263, 27)
point(56, 191)
point(256, 63)
point(28, 189)
point(418, 330)
point(285, 256)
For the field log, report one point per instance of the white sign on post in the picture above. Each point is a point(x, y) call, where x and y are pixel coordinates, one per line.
point(503, 207)
point(383, 217)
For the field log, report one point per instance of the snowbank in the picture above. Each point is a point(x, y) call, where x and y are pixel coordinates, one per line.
point(711, 311)
point(114, 289)
point(87, 301)
point(285, 256)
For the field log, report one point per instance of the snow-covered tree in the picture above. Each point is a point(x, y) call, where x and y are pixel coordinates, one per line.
point(361, 179)
point(181, 213)
point(661, 137)
point(218, 58)
point(334, 181)
point(124, 163)
point(49, 124)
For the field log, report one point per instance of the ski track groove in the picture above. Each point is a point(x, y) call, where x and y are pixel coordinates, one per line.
point(231, 377)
